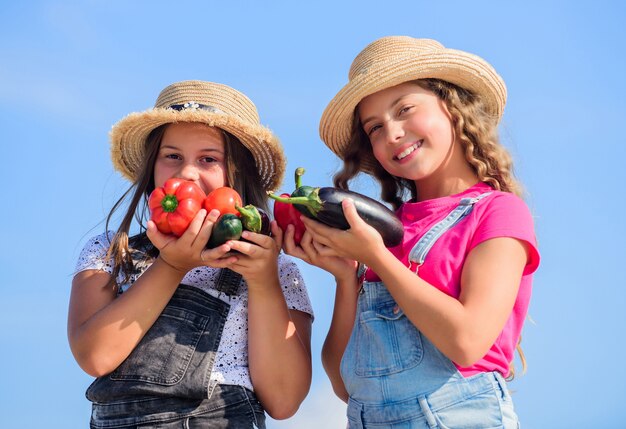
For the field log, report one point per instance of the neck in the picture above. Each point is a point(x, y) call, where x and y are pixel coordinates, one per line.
point(432, 187)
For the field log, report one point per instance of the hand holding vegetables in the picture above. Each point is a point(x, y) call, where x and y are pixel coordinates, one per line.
point(324, 205)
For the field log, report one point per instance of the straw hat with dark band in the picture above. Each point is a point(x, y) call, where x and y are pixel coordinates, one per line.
point(390, 61)
point(211, 103)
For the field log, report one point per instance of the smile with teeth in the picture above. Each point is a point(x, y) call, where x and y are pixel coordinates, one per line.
point(409, 150)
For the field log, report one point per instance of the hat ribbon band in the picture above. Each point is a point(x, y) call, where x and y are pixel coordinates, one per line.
point(192, 105)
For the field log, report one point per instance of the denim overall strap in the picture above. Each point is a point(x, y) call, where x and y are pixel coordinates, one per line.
point(228, 281)
point(423, 246)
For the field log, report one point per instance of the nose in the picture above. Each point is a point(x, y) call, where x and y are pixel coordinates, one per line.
point(189, 172)
point(395, 131)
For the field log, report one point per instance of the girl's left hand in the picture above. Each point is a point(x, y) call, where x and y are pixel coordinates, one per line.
point(360, 242)
point(258, 258)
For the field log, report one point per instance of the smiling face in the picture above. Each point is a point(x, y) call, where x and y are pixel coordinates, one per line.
point(412, 137)
point(192, 151)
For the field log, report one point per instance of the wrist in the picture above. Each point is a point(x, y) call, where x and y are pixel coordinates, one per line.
point(177, 270)
point(347, 275)
point(266, 287)
point(347, 281)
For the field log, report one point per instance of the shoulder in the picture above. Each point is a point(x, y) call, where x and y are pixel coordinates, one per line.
point(503, 214)
point(93, 254)
point(504, 206)
point(99, 243)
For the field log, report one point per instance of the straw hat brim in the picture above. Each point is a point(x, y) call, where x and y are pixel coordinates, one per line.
point(129, 135)
point(458, 67)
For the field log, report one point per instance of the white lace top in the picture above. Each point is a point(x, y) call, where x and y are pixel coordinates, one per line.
point(231, 360)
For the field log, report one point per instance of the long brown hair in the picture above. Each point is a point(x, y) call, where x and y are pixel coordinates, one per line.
point(124, 251)
point(475, 129)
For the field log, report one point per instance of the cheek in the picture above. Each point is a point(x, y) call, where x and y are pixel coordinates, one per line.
point(160, 175)
point(379, 152)
point(214, 179)
point(440, 130)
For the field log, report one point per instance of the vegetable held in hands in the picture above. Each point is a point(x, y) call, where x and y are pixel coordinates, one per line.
point(254, 219)
point(230, 227)
point(174, 205)
point(324, 205)
point(224, 199)
point(227, 227)
point(287, 214)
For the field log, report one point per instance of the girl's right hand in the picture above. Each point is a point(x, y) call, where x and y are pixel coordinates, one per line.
point(188, 251)
point(309, 252)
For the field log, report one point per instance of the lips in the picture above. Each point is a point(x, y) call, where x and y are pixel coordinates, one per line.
point(409, 150)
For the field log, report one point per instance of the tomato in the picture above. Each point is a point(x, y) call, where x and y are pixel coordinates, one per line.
point(287, 214)
point(174, 205)
point(224, 199)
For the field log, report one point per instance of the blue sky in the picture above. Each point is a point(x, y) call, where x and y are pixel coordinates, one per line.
point(69, 70)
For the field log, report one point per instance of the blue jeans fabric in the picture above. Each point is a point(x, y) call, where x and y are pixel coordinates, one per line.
point(397, 378)
point(165, 380)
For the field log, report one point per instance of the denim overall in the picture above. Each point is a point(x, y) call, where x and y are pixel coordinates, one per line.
point(397, 378)
point(164, 382)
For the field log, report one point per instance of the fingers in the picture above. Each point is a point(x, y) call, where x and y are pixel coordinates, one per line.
point(219, 259)
point(157, 238)
point(207, 226)
point(252, 243)
point(318, 230)
point(290, 246)
point(262, 240)
point(277, 233)
point(350, 212)
point(289, 242)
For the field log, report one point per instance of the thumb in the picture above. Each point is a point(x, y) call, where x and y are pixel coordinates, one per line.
point(277, 233)
point(157, 238)
point(349, 211)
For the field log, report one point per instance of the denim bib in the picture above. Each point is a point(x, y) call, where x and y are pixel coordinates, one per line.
point(167, 375)
point(397, 378)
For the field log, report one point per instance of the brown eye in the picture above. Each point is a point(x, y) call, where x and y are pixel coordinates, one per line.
point(373, 129)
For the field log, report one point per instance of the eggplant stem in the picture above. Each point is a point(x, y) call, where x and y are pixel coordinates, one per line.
point(298, 176)
point(312, 203)
point(251, 218)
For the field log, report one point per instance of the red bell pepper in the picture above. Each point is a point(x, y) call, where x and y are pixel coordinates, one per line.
point(287, 214)
point(175, 204)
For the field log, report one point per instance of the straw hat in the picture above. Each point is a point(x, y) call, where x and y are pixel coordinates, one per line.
point(390, 61)
point(197, 101)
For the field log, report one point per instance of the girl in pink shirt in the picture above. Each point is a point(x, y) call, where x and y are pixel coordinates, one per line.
point(425, 336)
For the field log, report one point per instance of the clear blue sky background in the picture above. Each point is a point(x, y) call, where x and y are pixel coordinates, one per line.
point(69, 70)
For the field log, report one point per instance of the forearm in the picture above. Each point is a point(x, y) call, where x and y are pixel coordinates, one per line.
point(102, 342)
point(279, 351)
point(465, 328)
point(341, 326)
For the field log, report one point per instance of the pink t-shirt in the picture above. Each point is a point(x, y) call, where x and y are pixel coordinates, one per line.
point(501, 214)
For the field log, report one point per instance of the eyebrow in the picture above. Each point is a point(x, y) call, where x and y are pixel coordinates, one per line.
point(395, 102)
point(209, 149)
